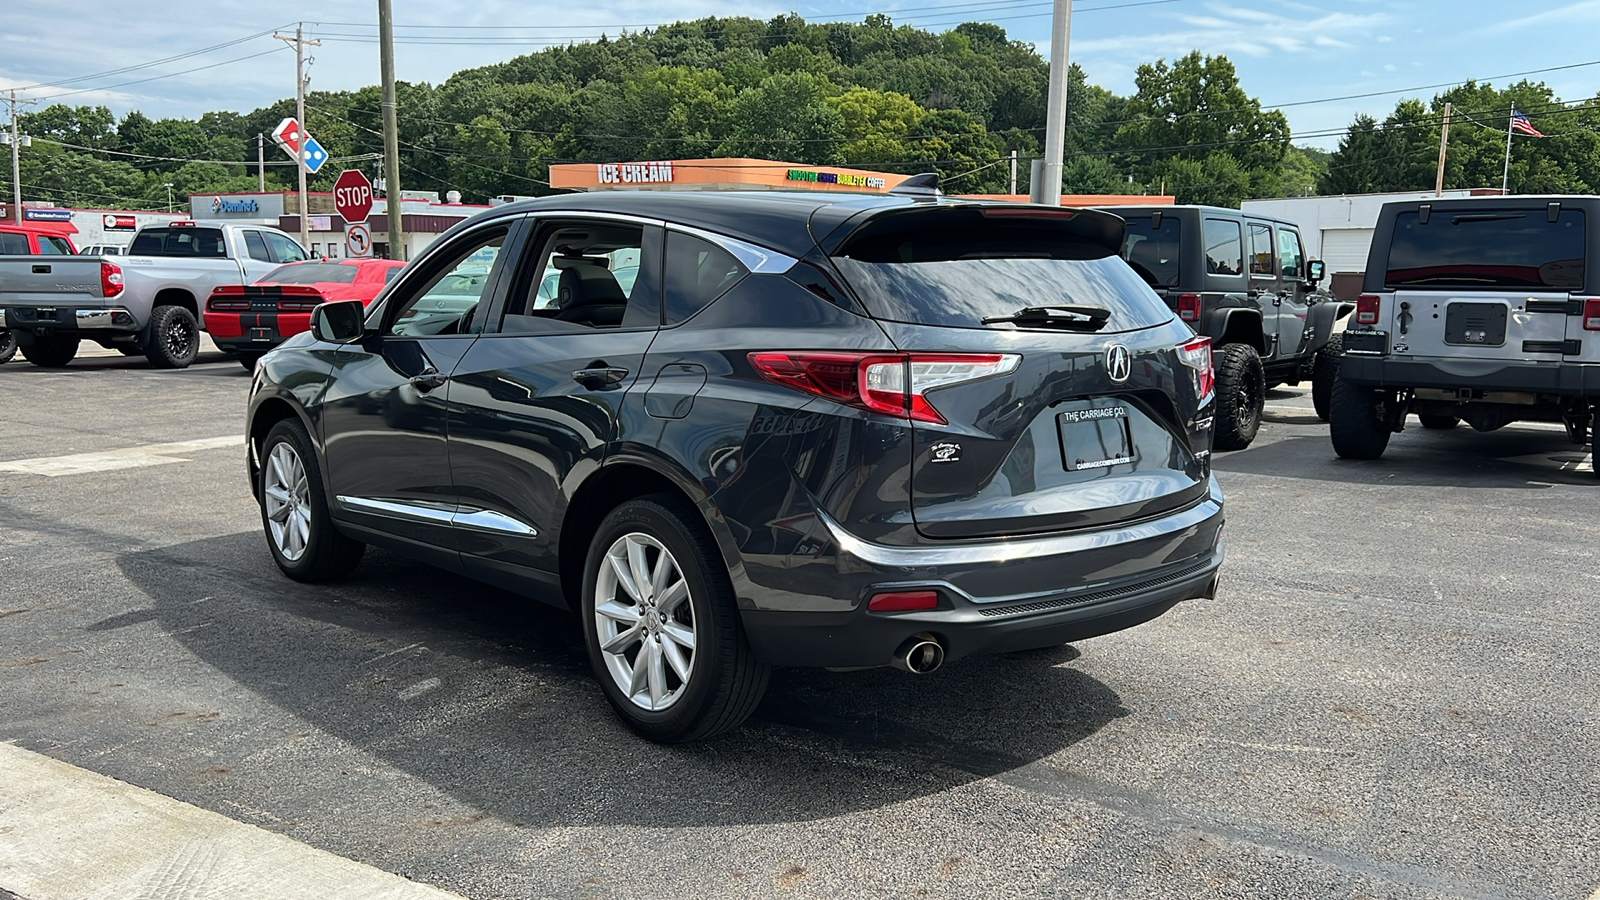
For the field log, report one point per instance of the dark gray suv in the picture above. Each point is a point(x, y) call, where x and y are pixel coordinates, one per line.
point(808, 431)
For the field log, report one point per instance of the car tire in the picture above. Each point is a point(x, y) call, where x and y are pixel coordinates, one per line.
point(1358, 420)
point(1324, 369)
point(1438, 423)
point(1241, 394)
point(664, 538)
point(294, 510)
point(174, 338)
point(8, 346)
point(50, 353)
point(248, 359)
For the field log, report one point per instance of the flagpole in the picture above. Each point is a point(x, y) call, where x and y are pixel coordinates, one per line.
point(1505, 178)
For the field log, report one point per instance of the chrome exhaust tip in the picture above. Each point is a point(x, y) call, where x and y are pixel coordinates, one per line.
point(919, 655)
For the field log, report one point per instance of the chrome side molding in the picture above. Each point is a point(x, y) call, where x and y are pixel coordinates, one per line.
point(455, 515)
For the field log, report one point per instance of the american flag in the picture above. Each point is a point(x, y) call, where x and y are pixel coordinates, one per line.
point(1519, 122)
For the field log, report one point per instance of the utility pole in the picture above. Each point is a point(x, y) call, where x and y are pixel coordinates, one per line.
point(300, 43)
point(391, 134)
point(16, 140)
point(1505, 175)
point(1444, 141)
point(261, 163)
point(1047, 189)
point(1013, 172)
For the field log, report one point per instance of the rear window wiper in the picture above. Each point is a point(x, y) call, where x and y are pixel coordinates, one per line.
point(1076, 318)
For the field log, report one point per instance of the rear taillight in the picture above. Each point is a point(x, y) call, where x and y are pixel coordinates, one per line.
point(1189, 307)
point(300, 304)
point(227, 298)
point(890, 383)
point(110, 280)
point(1591, 314)
point(1196, 354)
point(1367, 309)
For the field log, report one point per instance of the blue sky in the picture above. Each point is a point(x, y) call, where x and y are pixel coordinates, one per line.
point(1286, 52)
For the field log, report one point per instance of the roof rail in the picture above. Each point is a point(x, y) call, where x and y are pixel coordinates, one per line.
point(920, 187)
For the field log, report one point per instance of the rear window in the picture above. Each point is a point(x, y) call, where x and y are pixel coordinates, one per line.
point(12, 244)
point(311, 273)
point(1154, 251)
point(959, 276)
point(1508, 248)
point(202, 242)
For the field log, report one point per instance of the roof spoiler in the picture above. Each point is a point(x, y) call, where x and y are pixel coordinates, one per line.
point(918, 187)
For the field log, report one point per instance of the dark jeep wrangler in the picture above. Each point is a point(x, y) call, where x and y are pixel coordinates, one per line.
point(1243, 281)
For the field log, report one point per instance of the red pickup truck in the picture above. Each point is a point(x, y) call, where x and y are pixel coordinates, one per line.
point(30, 239)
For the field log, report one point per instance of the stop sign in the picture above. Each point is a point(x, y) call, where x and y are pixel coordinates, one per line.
point(352, 196)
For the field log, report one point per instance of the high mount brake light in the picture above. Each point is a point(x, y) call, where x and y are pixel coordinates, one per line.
point(110, 280)
point(1189, 307)
point(1026, 212)
point(1196, 354)
point(1367, 309)
point(890, 383)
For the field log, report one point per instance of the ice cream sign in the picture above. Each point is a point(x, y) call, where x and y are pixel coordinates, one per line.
point(635, 173)
point(840, 178)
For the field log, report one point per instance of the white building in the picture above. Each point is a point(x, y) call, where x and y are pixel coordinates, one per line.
point(424, 217)
point(1338, 230)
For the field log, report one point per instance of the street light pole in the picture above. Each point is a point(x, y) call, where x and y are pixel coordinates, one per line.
point(168, 186)
point(391, 134)
point(1047, 189)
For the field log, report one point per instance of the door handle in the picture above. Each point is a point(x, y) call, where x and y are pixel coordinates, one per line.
point(597, 378)
point(428, 379)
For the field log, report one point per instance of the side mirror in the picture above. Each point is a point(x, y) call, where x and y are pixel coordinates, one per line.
point(339, 323)
point(1315, 269)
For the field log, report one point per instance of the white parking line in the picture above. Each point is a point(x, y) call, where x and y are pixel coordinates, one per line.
point(109, 460)
point(67, 832)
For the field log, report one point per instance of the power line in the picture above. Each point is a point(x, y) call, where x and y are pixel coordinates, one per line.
point(154, 62)
point(226, 62)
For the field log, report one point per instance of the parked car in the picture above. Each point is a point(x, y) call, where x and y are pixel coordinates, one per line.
point(147, 302)
point(249, 320)
point(104, 250)
point(1484, 310)
point(1244, 281)
point(27, 239)
point(817, 431)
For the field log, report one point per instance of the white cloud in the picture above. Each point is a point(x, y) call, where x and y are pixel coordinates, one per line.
point(1236, 30)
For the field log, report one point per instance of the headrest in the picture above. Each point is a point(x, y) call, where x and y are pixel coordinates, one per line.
point(588, 285)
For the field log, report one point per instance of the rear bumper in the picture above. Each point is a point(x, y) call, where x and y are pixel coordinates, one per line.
point(245, 331)
point(1561, 378)
point(996, 596)
point(47, 321)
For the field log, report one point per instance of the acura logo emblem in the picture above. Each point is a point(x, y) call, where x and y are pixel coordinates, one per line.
point(1119, 363)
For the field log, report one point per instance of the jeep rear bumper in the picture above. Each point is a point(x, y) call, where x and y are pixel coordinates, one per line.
point(1558, 378)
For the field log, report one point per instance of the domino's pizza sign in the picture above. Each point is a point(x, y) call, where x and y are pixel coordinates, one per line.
point(247, 205)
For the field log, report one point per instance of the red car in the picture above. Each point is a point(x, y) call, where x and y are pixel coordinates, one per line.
point(249, 320)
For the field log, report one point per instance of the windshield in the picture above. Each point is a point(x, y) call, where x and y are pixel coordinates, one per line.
point(1153, 252)
point(1506, 248)
point(311, 273)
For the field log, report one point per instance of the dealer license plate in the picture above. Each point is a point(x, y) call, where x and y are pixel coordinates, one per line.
point(1095, 438)
point(263, 334)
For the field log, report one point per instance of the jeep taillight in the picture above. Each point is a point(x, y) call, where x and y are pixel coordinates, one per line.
point(1189, 307)
point(1591, 314)
point(110, 280)
point(1367, 309)
point(1196, 354)
point(888, 383)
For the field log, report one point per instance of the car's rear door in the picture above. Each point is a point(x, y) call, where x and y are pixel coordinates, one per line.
point(1486, 284)
point(536, 402)
point(1264, 280)
point(1293, 300)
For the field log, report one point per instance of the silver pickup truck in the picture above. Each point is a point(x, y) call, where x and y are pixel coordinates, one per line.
point(147, 302)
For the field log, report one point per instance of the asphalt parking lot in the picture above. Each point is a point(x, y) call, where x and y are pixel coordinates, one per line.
point(1394, 694)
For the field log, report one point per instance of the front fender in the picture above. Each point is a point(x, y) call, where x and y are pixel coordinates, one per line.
point(1320, 320)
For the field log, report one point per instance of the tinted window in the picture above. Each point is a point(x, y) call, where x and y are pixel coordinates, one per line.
point(283, 248)
point(390, 274)
point(311, 273)
point(1289, 254)
point(1224, 248)
point(582, 276)
point(54, 245)
point(256, 247)
point(446, 301)
point(202, 242)
point(1502, 248)
point(14, 244)
point(1153, 252)
point(1261, 255)
point(959, 278)
point(697, 272)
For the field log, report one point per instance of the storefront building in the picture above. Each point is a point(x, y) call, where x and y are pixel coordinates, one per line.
point(425, 218)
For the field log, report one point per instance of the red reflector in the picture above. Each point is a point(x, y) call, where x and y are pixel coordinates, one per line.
point(1189, 307)
point(1591, 314)
point(900, 601)
point(1367, 309)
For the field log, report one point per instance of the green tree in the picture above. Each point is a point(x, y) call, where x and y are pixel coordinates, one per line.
point(786, 117)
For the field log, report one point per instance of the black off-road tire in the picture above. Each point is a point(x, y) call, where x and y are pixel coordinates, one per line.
point(174, 338)
point(8, 346)
point(329, 555)
point(50, 353)
point(1438, 423)
point(1358, 420)
point(726, 680)
point(1324, 369)
point(1241, 394)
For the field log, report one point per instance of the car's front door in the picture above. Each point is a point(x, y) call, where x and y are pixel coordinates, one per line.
point(383, 416)
point(1263, 291)
point(1293, 294)
point(536, 401)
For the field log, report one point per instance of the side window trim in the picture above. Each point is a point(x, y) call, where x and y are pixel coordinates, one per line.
point(533, 229)
point(759, 260)
point(1252, 230)
point(1238, 233)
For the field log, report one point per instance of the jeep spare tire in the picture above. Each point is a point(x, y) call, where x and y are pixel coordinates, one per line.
point(1241, 394)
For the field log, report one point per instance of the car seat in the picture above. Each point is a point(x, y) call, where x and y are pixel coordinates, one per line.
point(588, 294)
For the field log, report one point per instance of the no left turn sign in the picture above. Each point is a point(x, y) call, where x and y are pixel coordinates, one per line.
point(358, 240)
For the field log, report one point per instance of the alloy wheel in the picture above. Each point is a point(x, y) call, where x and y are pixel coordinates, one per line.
point(179, 337)
point(645, 621)
point(286, 498)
